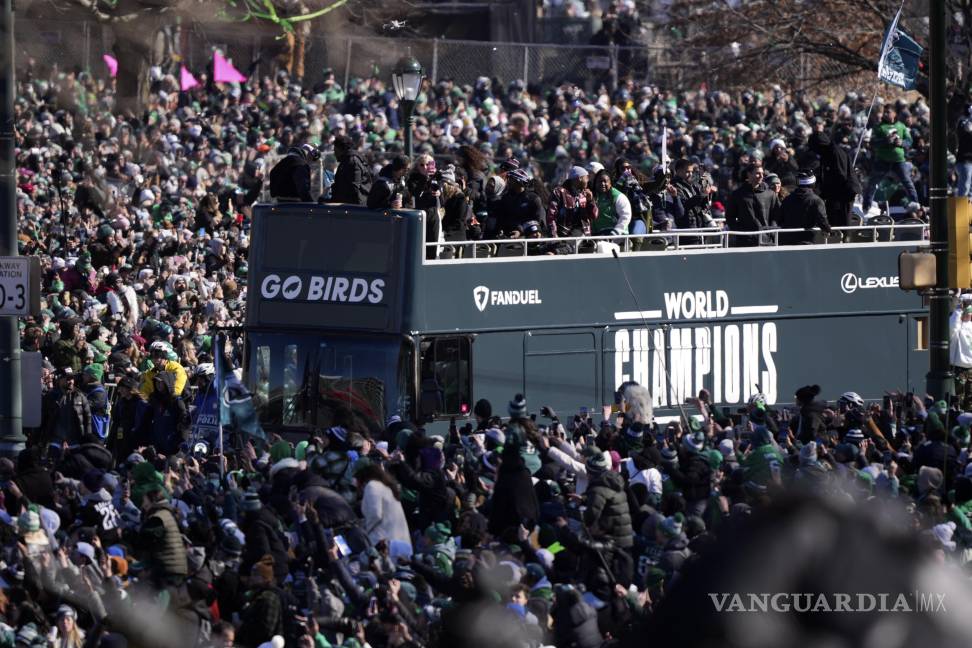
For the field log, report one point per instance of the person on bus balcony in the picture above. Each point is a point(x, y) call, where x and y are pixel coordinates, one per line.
point(752, 207)
point(666, 204)
point(352, 182)
point(387, 191)
point(803, 209)
point(518, 205)
point(290, 178)
point(572, 208)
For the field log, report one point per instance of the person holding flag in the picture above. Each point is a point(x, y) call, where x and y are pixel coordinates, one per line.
point(889, 139)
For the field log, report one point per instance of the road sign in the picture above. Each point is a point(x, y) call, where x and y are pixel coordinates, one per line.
point(19, 289)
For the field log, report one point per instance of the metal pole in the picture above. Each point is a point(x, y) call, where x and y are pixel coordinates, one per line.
point(407, 107)
point(435, 59)
point(347, 66)
point(526, 64)
point(939, 379)
point(11, 433)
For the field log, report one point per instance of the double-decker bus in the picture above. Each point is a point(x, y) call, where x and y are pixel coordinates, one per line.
point(350, 313)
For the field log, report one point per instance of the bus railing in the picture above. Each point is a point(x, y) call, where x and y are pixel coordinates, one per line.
point(683, 239)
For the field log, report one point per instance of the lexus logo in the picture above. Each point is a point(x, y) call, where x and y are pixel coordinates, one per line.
point(850, 282)
point(481, 297)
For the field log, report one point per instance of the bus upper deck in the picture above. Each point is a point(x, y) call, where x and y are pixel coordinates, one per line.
point(348, 320)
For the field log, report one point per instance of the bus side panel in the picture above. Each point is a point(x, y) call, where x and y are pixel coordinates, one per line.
point(866, 354)
point(561, 370)
point(497, 368)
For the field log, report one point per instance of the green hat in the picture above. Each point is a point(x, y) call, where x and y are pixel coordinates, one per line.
point(300, 452)
point(147, 480)
point(438, 533)
point(714, 457)
point(279, 450)
point(95, 370)
point(102, 346)
point(654, 577)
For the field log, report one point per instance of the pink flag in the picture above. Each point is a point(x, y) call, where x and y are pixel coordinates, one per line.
point(186, 80)
point(112, 64)
point(223, 70)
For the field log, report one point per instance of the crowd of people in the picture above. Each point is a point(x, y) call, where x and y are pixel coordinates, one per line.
point(556, 531)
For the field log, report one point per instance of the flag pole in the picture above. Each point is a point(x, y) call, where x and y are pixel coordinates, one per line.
point(218, 380)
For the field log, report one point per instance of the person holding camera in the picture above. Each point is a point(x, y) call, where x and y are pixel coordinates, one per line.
point(889, 139)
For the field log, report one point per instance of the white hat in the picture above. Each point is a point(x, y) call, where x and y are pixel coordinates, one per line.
point(576, 172)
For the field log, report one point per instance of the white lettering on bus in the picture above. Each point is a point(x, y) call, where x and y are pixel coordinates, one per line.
point(334, 289)
point(728, 360)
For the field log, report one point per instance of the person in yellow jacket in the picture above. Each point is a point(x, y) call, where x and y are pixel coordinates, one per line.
point(161, 363)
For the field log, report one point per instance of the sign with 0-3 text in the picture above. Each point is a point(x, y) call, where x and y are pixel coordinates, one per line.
point(19, 296)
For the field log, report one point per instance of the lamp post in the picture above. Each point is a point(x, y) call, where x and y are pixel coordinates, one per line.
point(407, 79)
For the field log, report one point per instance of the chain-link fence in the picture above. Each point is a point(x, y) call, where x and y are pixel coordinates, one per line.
point(81, 45)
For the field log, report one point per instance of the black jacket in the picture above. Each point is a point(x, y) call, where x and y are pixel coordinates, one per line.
point(263, 536)
point(607, 508)
point(65, 416)
point(514, 499)
point(382, 189)
point(938, 455)
point(693, 476)
point(803, 209)
point(352, 182)
point(836, 180)
point(290, 179)
point(744, 213)
point(434, 496)
point(694, 203)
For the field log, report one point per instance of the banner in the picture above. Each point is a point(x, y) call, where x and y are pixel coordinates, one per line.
point(223, 70)
point(236, 409)
point(898, 65)
point(186, 79)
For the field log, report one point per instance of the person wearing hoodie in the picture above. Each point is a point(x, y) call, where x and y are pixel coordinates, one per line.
point(692, 474)
point(170, 416)
point(673, 543)
point(811, 474)
point(809, 425)
point(514, 500)
point(575, 622)
point(607, 513)
point(264, 536)
point(384, 518)
point(33, 479)
point(435, 498)
point(839, 183)
point(763, 464)
point(98, 510)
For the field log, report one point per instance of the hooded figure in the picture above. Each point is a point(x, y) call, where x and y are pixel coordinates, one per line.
point(514, 499)
point(607, 503)
point(838, 184)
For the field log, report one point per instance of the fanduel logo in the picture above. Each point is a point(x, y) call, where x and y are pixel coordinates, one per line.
point(328, 289)
point(850, 282)
point(483, 296)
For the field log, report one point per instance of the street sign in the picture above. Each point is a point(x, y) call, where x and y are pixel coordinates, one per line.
point(19, 286)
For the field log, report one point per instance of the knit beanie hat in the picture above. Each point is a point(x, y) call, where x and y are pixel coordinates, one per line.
point(597, 463)
point(496, 436)
point(251, 501)
point(147, 480)
point(694, 442)
point(438, 533)
point(483, 409)
point(714, 457)
point(808, 453)
point(518, 407)
point(671, 526)
point(727, 448)
point(263, 569)
point(29, 521)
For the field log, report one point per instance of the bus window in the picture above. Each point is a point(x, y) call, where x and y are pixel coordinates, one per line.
point(446, 375)
point(292, 415)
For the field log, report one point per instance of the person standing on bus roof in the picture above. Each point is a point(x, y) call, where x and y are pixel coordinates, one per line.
point(746, 212)
point(290, 178)
point(352, 182)
point(803, 209)
point(387, 191)
point(572, 208)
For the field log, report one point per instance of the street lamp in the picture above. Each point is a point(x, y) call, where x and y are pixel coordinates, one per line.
point(407, 79)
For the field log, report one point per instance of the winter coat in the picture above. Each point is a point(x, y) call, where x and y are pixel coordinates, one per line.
point(809, 425)
point(938, 455)
point(263, 617)
point(64, 353)
point(170, 366)
point(692, 475)
point(99, 512)
point(352, 182)
point(695, 205)
point(575, 624)
point(607, 508)
point(762, 463)
point(131, 423)
point(264, 536)
point(290, 179)
point(162, 540)
point(384, 518)
point(514, 499)
point(66, 417)
point(836, 178)
point(170, 419)
point(744, 213)
point(434, 497)
point(803, 209)
point(614, 213)
point(382, 190)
